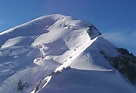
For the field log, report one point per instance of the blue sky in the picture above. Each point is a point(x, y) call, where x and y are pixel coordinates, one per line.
point(115, 19)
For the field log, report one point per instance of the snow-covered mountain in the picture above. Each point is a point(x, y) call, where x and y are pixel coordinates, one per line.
point(59, 54)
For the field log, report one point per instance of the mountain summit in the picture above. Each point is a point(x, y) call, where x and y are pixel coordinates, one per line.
point(60, 54)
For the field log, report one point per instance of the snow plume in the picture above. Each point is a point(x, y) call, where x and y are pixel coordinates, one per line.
point(122, 38)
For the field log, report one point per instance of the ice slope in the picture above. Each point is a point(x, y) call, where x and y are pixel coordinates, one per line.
point(58, 54)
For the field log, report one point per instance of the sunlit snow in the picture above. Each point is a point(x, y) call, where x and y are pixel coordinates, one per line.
point(58, 54)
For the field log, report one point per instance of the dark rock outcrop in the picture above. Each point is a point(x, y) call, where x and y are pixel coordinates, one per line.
point(125, 63)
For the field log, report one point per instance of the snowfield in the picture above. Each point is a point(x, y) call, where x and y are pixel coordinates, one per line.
point(58, 54)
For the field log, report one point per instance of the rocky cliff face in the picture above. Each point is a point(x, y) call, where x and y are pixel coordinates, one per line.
point(125, 63)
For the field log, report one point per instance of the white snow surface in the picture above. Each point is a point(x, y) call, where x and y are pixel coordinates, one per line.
point(58, 54)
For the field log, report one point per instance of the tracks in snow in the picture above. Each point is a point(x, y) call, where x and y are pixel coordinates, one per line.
point(77, 51)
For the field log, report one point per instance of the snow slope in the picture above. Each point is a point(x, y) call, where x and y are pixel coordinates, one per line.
point(58, 54)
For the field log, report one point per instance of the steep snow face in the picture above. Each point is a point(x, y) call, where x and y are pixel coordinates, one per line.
point(58, 54)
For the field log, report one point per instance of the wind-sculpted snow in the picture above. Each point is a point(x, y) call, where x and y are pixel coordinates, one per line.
point(58, 54)
point(87, 81)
